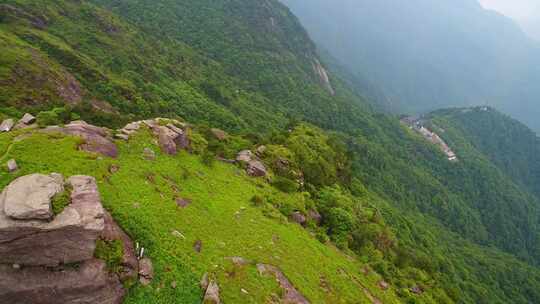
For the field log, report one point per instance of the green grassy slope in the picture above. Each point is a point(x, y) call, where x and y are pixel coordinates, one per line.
point(141, 198)
point(245, 66)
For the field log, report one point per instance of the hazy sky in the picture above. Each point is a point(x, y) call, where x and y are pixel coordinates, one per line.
point(525, 12)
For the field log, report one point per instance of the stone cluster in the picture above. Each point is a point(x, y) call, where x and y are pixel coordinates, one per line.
point(36, 245)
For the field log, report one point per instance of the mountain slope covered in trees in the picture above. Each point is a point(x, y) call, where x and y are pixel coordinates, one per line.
point(437, 231)
point(427, 55)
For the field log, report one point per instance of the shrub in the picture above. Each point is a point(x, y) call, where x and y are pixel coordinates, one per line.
point(111, 252)
point(284, 184)
point(61, 200)
point(198, 144)
point(257, 200)
point(47, 118)
point(208, 158)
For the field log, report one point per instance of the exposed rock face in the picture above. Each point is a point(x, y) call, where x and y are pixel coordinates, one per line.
point(122, 136)
point(70, 237)
point(290, 294)
point(323, 76)
point(130, 264)
point(256, 168)
point(212, 294)
point(29, 197)
point(96, 139)
point(7, 125)
point(299, 218)
point(12, 165)
point(90, 283)
point(146, 271)
point(171, 138)
point(27, 119)
point(244, 156)
point(40, 248)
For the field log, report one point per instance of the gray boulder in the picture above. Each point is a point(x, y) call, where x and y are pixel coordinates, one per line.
point(7, 125)
point(12, 165)
point(134, 126)
point(29, 197)
point(90, 283)
point(256, 168)
point(299, 218)
point(171, 138)
point(244, 156)
point(289, 293)
point(96, 139)
point(68, 238)
point(146, 271)
point(121, 136)
point(27, 119)
point(211, 295)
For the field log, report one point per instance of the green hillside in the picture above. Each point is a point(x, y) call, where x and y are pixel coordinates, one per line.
point(509, 144)
point(393, 207)
point(141, 197)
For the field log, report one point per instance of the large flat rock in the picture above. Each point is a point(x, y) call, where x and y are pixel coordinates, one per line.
point(90, 283)
point(70, 237)
point(96, 139)
point(29, 197)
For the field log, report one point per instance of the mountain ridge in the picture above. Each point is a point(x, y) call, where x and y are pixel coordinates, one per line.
point(387, 199)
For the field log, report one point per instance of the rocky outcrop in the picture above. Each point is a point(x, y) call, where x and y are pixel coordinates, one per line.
point(244, 156)
point(171, 138)
point(299, 218)
point(256, 168)
point(96, 139)
point(90, 283)
point(68, 238)
point(171, 134)
point(323, 76)
point(27, 119)
point(29, 197)
point(7, 125)
point(41, 245)
point(211, 296)
point(290, 295)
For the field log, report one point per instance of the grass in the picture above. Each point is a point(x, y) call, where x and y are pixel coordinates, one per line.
point(222, 216)
point(61, 200)
point(111, 252)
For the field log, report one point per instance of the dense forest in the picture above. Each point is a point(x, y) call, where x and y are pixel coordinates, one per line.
point(437, 231)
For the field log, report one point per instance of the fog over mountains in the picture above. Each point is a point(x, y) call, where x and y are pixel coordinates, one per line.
point(426, 55)
point(525, 12)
